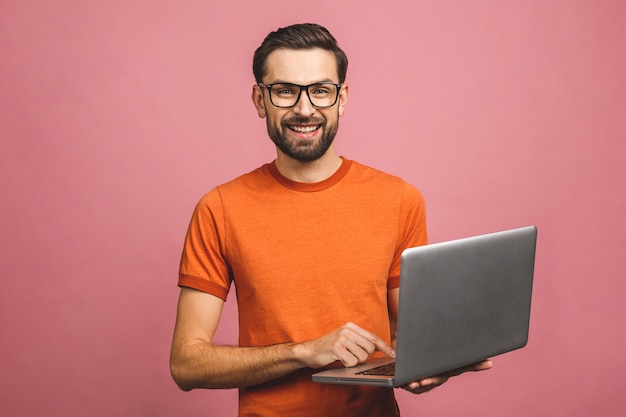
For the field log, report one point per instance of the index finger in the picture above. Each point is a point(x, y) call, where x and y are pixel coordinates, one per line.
point(379, 343)
point(385, 348)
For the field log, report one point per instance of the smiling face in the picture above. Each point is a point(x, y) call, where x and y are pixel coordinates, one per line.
point(302, 132)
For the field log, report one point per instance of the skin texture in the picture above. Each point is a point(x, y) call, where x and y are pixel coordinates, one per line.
point(302, 67)
point(195, 361)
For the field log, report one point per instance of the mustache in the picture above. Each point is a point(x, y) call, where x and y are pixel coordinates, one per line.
point(297, 120)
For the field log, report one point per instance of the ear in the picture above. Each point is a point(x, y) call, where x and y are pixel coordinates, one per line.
point(343, 99)
point(258, 100)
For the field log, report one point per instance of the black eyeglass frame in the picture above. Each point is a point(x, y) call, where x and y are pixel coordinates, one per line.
point(306, 89)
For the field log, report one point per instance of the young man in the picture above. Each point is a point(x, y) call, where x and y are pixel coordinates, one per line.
point(312, 242)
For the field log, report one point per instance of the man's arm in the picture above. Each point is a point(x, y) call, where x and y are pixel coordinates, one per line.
point(426, 384)
point(393, 297)
point(195, 362)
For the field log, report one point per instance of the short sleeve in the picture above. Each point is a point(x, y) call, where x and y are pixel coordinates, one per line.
point(203, 264)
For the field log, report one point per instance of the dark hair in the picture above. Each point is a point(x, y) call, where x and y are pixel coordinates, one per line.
point(299, 36)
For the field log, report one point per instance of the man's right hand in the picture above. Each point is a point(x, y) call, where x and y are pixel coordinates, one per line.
point(349, 344)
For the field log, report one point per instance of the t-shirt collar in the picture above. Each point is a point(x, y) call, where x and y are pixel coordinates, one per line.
point(311, 186)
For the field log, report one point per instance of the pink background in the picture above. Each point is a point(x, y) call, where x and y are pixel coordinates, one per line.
point(117, 116)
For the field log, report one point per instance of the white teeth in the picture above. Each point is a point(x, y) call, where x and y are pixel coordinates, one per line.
point(304, 129)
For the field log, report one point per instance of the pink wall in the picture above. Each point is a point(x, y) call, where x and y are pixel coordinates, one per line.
point(117, 116)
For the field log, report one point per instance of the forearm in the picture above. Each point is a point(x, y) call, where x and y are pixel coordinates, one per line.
point(196, 362)
point(204, 365)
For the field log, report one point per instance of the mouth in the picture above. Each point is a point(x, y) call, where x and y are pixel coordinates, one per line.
point(303, 128)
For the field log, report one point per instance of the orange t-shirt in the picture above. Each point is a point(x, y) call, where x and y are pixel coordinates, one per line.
point(305, 259)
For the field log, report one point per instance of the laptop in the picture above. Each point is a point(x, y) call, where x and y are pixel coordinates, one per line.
point(461, 302)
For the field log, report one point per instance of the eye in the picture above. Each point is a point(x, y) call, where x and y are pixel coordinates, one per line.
point(321, 90)
point(284, 90)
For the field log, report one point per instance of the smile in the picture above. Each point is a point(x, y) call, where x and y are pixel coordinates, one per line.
point(304, 129)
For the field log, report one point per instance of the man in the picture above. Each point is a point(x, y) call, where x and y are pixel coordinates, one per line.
point(312, 242)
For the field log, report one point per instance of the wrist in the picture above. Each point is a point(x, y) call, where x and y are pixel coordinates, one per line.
point(301, 354)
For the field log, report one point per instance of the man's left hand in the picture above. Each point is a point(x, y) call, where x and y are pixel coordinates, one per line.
point(427, 384)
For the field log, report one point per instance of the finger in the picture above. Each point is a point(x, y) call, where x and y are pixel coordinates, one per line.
point(433, 381)
point(420, 390)
point(371, 342)
point(351, 347)
point(411, 386)
point(384, 347)
point(355, 353)
point(475, 367)
point(416, 388)
point(484, 365)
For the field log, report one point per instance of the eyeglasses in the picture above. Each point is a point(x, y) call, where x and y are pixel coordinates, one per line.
point(285, 95)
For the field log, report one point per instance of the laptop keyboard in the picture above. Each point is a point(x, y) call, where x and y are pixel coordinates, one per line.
point(384, 370)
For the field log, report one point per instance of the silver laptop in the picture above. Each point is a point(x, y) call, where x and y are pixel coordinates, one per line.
point(461, 301)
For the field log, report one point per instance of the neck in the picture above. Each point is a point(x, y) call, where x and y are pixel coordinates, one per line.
point(309, 172)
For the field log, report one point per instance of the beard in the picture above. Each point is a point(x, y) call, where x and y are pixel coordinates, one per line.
point(304, 150)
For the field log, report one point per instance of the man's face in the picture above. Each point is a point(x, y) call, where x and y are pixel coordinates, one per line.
point(302, 132)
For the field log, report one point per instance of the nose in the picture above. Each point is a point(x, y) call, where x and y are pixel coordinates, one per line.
point(303, 106)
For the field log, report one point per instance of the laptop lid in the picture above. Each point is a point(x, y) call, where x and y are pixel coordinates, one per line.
point(461, 301)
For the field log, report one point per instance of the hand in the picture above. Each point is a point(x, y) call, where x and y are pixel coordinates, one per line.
point(427, 384)
point(349, 344)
